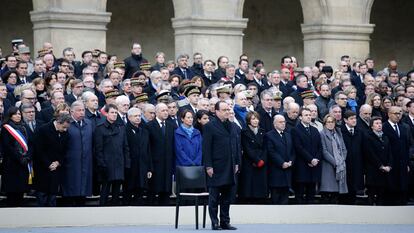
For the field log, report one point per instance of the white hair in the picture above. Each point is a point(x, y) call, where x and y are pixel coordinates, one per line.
point(121, 99)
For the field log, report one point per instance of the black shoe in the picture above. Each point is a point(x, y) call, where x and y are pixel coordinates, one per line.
point(215, 227)
point(228, 227)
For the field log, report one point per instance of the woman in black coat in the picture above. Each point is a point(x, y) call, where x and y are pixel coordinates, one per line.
point(136, 178)
point(16, 158)
point(253, 179)
point(378, 163)
point(112, 154)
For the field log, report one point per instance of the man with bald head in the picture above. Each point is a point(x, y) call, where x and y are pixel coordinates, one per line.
point(399, 135)
point(281, 155)
point(161, 140)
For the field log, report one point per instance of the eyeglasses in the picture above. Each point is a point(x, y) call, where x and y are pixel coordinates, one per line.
point(29, 111)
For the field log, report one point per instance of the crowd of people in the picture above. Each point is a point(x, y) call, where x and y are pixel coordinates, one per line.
point(106, 126)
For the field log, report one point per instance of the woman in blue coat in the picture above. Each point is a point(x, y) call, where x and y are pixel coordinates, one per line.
point(187, 142)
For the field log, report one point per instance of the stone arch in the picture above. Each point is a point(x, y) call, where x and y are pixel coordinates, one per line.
point(273, 30)
point(392, 38)
point(15, 23)
point(146, 21)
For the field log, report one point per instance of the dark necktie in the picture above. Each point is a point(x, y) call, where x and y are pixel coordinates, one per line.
point(124, 119)
point(163, 127)
point(307, 129)
point(396, 130)
point(351, 131)
point(185, 74)
point(282, 134)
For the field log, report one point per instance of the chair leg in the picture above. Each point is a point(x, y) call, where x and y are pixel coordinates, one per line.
point(177, 209)
point(204, 215)
point(196, 212)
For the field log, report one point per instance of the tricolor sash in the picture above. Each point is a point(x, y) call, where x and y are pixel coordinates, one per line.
point(19, 137)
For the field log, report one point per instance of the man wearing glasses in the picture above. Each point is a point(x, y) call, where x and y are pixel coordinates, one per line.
point(398, 134)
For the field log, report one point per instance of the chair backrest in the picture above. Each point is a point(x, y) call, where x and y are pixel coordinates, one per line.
point(190, 177)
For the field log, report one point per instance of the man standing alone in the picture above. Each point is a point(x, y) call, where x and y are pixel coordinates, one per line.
point(221, 151)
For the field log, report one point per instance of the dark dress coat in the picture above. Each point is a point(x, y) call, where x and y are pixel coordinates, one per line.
point(111, 151)
point(132, 64)
point(95, 119)
point(77, 163)
point(378, 154)
point(162, 154)
point(46, 115)
point(15, 173)
point(190, 73)
point(221, 151)
point(279, 150)
point(400, 147)
point(138, 141)
point(308, 146)
point(355, 159)
point(187, 149)
point(252, 179)
point(266, 121)
point(50, 146)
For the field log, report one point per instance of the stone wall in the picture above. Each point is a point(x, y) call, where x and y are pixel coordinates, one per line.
point(146, 21)
point(273, 31)
point(15, 23)
point(393, 36)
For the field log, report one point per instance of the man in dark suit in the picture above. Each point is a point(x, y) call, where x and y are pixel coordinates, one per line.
point(182, 68)
point(301, 85)
point(172, 113)
point(208, 73)
point(266, 111)
point(353, 139)
point(77, 89)
point(51, 141)
point(161, 139)
point(399, 136)
point(278, 143)
point(364, 117)
point(308, 147)
point(46, 114)
point(221, 156)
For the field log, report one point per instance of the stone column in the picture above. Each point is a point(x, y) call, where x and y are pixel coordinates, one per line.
point(211, 27)
point(333, 28)
point(76, 23)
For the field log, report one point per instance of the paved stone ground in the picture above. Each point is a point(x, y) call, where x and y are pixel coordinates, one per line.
point(263, 228)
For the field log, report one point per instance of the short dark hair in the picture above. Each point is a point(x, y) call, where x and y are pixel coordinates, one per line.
point(257, 62)
point(63, 118)
point(344, 57)
point(217, 106)
point(408, 105)
point(319, 62)
point(109, 106)
point(349, 114)
point(373, 119)
point(282, 60)
point(184, 112)
point(250, 115)
point(302, 110)
point(240, 61)
point(86, 52)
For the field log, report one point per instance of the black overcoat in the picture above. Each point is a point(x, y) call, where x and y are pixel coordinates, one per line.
point(50, 146)
point(355, 158)
point(162, 156)
point(15, 173)
point(307, 147)
point(138, 141)
point(221, 151)
point(111, 151)
point(252, 180)
point(378, 154)
point(400, 147)
point(278, 152)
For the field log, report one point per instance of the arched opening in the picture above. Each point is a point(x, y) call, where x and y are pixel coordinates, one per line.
point(392, 37)
point(15, 23)
point(273, 31)
point(147, 22)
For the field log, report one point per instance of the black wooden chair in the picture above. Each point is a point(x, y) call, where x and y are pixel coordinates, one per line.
point(191, 184)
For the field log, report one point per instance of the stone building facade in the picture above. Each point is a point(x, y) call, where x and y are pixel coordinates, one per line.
point(266, 29)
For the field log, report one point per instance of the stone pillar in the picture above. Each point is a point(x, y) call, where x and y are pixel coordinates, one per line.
point(333, 28)
point(211, 27)
point(76, 23)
